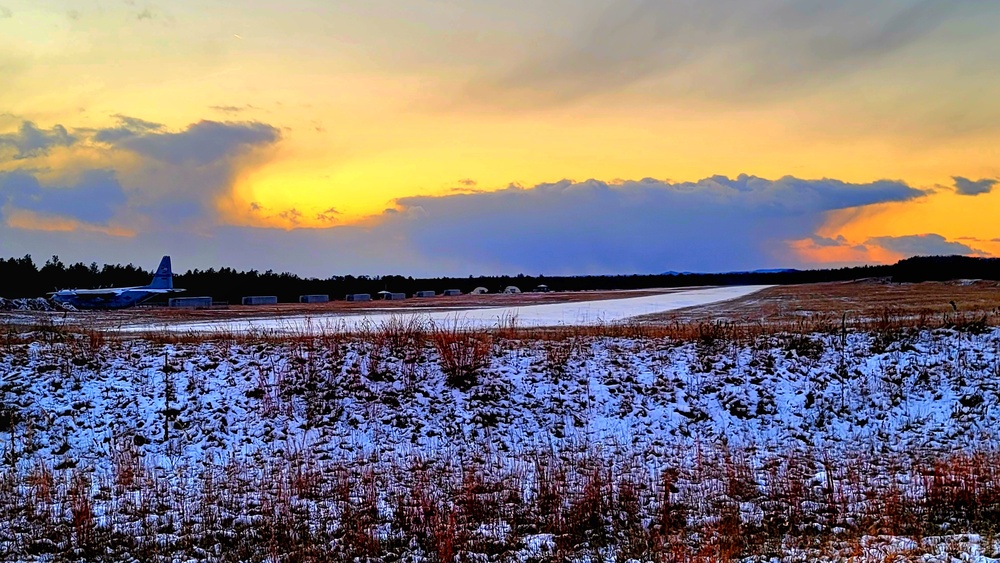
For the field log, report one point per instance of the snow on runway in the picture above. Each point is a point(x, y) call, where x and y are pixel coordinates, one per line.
point(552, 314)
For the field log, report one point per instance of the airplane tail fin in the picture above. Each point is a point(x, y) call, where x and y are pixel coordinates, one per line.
point(164, 276)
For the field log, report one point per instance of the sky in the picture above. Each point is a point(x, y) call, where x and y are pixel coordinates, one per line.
point(445, 137)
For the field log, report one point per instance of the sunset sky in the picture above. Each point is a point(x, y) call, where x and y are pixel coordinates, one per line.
point(445, 137)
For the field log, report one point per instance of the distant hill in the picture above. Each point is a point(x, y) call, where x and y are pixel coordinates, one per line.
point(763, 271)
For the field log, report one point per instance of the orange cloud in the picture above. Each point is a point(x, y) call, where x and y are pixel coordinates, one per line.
point(815, 250)
point(29, 220)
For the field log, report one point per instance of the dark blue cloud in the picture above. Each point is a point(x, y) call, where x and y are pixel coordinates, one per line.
point(202, 143)
point(923, 245)
point(94, 198)
point(30, 140)
point(965, 186)
point(639, 226)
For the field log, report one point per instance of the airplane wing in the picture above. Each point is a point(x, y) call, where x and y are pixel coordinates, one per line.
point(85, 293)
point(163, 290)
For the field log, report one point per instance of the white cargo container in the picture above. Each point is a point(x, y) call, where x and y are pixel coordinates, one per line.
point(260, 300)
point(190, 302)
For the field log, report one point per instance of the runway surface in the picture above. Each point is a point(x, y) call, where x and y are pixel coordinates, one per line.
point(547, 315)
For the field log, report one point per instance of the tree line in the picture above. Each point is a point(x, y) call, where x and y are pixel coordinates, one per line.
point(22, 277)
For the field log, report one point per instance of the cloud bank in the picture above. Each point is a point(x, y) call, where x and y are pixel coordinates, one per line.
point(638, 226)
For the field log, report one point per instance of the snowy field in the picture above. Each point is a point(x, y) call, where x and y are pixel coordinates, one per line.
point(416, 445)
point(552, 314)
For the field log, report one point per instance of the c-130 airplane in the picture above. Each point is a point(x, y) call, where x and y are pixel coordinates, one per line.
point(120, 297)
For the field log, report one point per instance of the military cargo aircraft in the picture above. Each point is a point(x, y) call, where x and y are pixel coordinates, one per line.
point(120, 297)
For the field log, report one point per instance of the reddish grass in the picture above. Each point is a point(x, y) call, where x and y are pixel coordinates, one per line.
point(301, 509)
point(463, 354)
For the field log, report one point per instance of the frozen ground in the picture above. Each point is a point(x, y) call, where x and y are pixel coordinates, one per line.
point(932, 390)
point(788, 432)
point(552, 314)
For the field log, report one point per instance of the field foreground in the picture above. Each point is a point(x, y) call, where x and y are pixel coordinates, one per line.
point(697, 443)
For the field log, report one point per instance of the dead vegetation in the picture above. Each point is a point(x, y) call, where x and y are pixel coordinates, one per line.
point(570, 501)
point(540, 506)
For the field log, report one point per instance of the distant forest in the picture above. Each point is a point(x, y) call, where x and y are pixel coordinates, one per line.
point(21, 277)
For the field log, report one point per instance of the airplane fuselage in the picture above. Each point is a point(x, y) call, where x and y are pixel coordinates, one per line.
point(120, 298)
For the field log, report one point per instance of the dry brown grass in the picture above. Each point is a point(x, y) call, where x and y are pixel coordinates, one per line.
point(463, 354)
point(296, 508)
